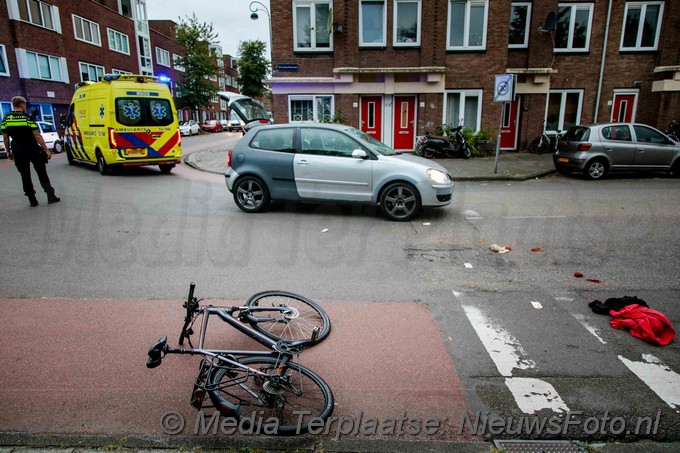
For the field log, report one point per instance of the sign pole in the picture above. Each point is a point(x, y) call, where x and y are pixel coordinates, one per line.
point(498, 140)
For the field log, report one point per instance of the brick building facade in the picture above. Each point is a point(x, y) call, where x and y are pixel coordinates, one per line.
point(47, 46)
point(396, 68)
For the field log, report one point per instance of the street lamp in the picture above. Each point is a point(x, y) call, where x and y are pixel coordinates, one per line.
point(254, 9)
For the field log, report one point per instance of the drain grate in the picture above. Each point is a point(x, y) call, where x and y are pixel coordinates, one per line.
point(537, 446)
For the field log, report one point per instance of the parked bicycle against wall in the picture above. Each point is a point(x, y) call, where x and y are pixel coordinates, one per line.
point(546, 143)
point(259, 386)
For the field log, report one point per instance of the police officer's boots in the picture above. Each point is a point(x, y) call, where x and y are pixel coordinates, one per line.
point(33, 200)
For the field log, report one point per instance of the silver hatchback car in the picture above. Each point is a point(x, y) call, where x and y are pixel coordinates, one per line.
point(597, 149)
point(332, 163)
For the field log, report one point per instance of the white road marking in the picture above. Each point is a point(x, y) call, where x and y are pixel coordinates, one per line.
point(456, 293)
point(533, 395)
point(510, 217)
point(658, 377)
point(536, 305)
point(472, 215)
point(504, 349)
point(468, 265)
point(590, 328)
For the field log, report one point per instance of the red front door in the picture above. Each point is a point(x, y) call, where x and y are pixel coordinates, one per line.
point(404, 122)
point(509, 126)
point(371, 116)
point(623, 109)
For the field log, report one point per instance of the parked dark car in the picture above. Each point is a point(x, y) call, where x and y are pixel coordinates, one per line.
point(597, 149)
point(212, 126)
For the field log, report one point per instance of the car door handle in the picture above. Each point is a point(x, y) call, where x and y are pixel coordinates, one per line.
point(302, 162)
point(609, 150)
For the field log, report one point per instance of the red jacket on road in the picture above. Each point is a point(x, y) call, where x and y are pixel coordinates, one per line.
point(644, 323)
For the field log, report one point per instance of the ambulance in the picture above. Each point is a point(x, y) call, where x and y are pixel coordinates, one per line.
point(123, 120)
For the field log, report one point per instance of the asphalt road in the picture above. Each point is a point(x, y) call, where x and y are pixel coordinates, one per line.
point(140, 235)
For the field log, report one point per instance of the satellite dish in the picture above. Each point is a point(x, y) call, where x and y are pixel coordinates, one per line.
point(549, 25)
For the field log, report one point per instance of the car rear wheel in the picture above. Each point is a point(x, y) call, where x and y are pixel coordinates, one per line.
point(596, 169)
point(58, 147)
point(166, 168)
point(251, 194)
point(101, 164)
point(675, 169)
point(400, 201)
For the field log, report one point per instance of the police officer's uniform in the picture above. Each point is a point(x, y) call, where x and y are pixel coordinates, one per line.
point(26, 151)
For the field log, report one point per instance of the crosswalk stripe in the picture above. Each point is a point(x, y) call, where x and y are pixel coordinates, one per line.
point(531, 394)
point(658, 377)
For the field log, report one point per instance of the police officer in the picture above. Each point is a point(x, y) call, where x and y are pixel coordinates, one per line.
point(25, 150)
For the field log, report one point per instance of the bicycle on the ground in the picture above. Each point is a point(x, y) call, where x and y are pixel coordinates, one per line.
point(546, 143)
point(265, 387)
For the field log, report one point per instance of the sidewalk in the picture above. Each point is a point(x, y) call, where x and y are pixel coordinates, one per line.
point(511, 166)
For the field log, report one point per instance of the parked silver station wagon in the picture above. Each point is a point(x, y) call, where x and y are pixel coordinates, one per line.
point(597, 149)
point(332, 163)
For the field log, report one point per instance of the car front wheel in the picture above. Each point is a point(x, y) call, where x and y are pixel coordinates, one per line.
point(400, 201)
point(251, 194)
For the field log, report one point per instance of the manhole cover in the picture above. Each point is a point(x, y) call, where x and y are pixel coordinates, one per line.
point(537, 446)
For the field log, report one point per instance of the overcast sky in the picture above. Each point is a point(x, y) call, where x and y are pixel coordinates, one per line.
point(230, 19)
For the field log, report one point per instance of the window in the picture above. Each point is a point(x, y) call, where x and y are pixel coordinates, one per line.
point(143, 112)
point(86, 30)
point(372, 23)
point(572, 30)
point(463, 108)
point(619, 133)
point(407, 22)
point(310, 25)
point(274, 140)
point(91, 72)
point(648, 135)
point(115, 71)
point(118, 42)
point(467, 25)
point(162, 57)
point(176, 63)
point(38, 13)
point(146, 67)
point(310, 108)
point(641, 25)
point(4, 65)
point(326, 143)
point(520, 17)
point(563, 110)
point(46, 67)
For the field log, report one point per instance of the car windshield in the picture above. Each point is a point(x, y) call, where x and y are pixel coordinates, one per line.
point(249, 110)
point(376, 145)
point(577, 134)
point(47, 127)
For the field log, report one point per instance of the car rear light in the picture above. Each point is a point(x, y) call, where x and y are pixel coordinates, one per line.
point(584, 147)
point(112, 138)
point(229, 159)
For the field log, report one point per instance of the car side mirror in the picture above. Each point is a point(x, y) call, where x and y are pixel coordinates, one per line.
point(359, 154)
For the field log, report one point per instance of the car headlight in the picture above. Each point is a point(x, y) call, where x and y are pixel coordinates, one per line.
point(437, 176)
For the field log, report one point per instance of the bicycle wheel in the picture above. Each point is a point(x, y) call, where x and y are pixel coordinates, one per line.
point(279, 405)
point(295, 323)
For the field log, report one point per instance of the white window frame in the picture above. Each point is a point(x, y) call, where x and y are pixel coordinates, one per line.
point(115, 71)
point(638, 47)
point(382, 43)
point(461, 117)
point(419, 24)
point(466, 31)
point(3, 57)
point(313, 98)
point(527, 25)
point(112, 42)
point(574, 7)
point(175, 65)
point(55, 63)
point(89, 66)
point(162, 57)
point(311, 4)
point(94, 30)
point(13, 13)
point(563, 103)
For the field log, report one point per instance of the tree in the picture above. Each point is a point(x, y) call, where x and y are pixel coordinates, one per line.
point(195, 90)
point(253, 68)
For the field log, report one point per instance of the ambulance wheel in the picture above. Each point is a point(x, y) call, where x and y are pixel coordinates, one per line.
point(165, 169)
point(69, 155)
point(101, 164)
